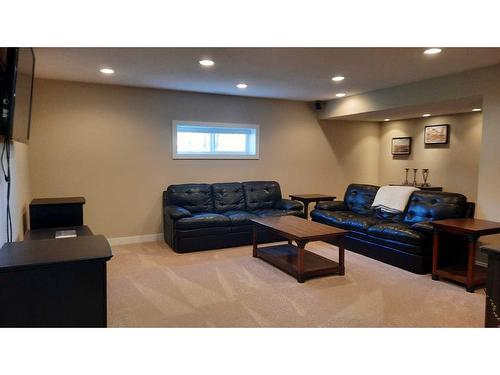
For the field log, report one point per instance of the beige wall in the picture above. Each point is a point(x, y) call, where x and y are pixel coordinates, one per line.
point(484, 83)
point(20, 193)
point(112, 145)
point(453, 166)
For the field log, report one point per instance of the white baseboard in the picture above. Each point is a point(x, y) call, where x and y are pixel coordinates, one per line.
point(135, 239)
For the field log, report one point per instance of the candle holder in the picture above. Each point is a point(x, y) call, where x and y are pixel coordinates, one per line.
point(425, 176)
point(415, 176)
point(406, 177)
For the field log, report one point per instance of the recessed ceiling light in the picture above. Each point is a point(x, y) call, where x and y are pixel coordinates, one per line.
point(242, 85)
point(426, 115)
point(107, 71)
point(338, 78)
point(387, 119)
point(476, 110)
point(206, 62)
point(432, 51)
point(340, 95)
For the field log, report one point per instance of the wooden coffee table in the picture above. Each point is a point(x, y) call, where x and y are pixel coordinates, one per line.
point(295, 260)
point(308, 198)
point(472, 275)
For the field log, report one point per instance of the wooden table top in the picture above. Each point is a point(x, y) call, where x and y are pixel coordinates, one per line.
point(295, 228)
point(468, 226)
point(311, 196)
point(63, 200)
point(28, 254)
point(50, 233)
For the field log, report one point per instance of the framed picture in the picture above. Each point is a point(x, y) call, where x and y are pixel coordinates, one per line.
point(437, 134)
point(401, 146)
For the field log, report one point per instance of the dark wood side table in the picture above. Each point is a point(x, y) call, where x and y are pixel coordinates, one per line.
point(421, 187)
point(492, 311)
point(54, 283)
point(295, 260)
point(308, 198)
point(56, 212)
point(473, 275)
point(50, 233)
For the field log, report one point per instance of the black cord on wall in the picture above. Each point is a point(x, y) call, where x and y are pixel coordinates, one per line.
point(6, 169)
point(6, 175)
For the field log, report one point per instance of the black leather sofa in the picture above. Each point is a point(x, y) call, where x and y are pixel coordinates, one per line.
point(403, 240)
point(209, 216)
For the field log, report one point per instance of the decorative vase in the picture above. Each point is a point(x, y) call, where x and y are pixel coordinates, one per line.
point(415, 176)
point(406, 177)
point(425, 176)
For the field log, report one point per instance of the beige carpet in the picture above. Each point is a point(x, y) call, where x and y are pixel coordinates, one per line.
point(151, 286)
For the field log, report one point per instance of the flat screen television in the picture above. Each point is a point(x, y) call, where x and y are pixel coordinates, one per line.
point(17, 68)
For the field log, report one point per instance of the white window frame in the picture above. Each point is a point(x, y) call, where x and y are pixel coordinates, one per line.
point(210, 156)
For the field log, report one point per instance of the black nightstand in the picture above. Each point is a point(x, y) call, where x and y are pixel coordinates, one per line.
point(56, 212)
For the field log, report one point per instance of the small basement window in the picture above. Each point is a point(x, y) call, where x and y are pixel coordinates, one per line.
point(207, 140)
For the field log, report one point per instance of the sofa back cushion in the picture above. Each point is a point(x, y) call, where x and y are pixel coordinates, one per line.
point(228, 196)
point(431, 205)
point(261, 194)
point(359, 198)
point(192, 197)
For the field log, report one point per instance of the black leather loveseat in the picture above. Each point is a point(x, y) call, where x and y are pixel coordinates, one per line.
point(209, 216)
point(403, 240)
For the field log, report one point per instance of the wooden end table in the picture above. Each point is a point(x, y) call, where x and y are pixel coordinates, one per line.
point(421, 187)
point(473, 275)
point(308, 198)
point(295, 260)
point(50, 233)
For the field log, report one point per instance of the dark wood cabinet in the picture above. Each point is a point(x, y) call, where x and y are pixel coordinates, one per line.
point(54, 282)
point(492, 313)
point(56, 212)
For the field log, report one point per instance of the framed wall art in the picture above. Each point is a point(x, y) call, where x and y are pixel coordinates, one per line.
point(437, 134)
point(401, 146)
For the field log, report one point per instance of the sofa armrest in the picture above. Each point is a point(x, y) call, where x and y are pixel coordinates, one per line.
point(176, 212)
point(424, 226)
point(331, 206)
point(288, 205)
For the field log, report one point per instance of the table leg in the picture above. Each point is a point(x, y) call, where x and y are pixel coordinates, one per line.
point(254, 240)
point(306, 210)
point(300, 260)
point(471, 258)
point(341, 261)
point(435, 255)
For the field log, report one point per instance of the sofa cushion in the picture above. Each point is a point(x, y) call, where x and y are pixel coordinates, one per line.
point(270, 212)
point(193, 197)
point(203, 221)
point(261, 194)
point(388, 216)
point(345, 219)
point(359, 198)
point(228, 197)
point(331, 206)
point(288, 204)
point(176, 212)
point(397, 232)
point(432, 205)
point(240, 217)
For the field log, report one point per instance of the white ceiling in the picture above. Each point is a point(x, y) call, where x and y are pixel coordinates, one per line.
point(285, 73)
point(462, 105)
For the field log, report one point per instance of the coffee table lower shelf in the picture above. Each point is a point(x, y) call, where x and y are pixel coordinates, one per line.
point(285, 257)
